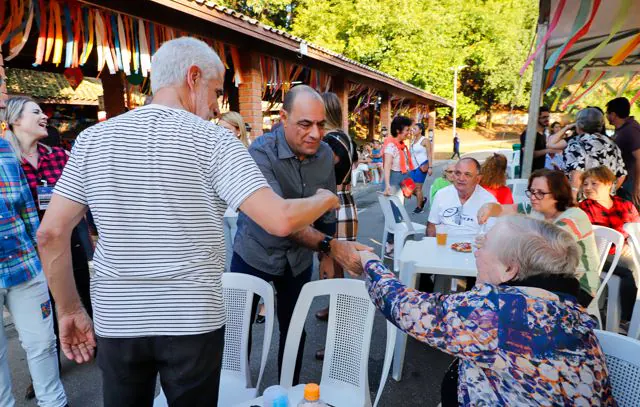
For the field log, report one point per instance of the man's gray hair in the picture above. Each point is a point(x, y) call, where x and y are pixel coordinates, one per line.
point(590, 120)
point(536, 247)
point(171, 62)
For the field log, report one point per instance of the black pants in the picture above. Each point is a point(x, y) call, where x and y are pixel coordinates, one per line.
point(628, 289)
point(288, 290)
point(189, 368)
point(455, 153)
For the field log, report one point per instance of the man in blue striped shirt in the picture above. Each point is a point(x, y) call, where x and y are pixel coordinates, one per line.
point(23, 287)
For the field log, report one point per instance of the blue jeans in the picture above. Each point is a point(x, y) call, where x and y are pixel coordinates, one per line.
point(30, 306)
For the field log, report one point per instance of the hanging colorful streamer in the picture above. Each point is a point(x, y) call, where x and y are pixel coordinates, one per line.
point(20, 39)
point(635, 97)
point(550, 30)
point(621, 17)
point(625, 51)
point(579, 23)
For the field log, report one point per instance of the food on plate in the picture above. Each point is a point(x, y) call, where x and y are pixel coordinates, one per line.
point(464, 247)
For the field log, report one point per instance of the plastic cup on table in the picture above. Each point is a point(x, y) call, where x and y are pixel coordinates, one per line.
point(441, 235)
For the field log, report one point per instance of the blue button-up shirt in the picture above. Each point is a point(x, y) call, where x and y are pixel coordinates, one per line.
point(290, 178)
point(19, 260)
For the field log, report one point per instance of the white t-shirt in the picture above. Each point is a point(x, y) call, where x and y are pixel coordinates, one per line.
point(395, 152)
point(157, 181)
point(460, 219)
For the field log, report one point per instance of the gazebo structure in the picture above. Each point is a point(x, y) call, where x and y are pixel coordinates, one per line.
point(580, 42)
point(113, 40)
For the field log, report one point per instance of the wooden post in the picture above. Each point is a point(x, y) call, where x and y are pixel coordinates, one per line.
point(534, 105)
point(371, 123)
point(385, 111)
point(341, 88)
point(3, 84)
point(114, 93)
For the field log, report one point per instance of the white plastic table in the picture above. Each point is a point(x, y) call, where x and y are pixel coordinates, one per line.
point(426, 257)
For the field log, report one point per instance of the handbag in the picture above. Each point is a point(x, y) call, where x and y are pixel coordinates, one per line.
point(407, 186)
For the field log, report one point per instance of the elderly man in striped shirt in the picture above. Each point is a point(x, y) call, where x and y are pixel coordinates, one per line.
point(158, 180)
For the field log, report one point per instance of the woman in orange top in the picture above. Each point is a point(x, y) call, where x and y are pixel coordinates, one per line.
point(493, 177)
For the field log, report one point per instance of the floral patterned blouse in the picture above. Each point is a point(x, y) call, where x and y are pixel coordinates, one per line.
point(518, 346)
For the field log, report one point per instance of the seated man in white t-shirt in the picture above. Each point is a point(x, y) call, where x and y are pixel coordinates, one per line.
point(457, 205)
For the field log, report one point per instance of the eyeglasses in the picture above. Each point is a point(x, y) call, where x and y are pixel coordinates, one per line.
point(464, 174)
point(448, 171)
point(537, 193)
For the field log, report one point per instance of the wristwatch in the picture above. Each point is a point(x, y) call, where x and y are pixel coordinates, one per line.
point(325, 245)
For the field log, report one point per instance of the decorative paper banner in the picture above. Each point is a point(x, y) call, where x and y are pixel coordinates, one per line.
point(625, 50)
point(623, 86)
point(584, 79)
point(552, 27)
point(635, 97)
point(574, 100)
point(20, 39)
point(621, 17)
point(581, 26)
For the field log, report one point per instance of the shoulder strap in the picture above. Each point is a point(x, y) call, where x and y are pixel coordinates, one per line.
point(347, 149)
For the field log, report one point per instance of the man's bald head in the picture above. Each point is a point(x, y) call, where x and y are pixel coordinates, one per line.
point(295, 92)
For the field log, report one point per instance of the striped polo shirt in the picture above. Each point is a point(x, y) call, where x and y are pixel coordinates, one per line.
point(158, 181)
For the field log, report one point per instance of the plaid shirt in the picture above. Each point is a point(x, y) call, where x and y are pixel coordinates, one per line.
point(50, 165)
point(621, 212)
point(19, 260)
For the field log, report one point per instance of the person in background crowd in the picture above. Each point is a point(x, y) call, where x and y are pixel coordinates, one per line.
point(456, 146)
point(540, 149)
point(612, 211)
point(344, 156)
point(519, 337)
point(234, 122)
point(296, 163)
point(159, 205)
point(589, 149)
point(627, 137)
point(493, 178)
point(552, 200)
point(421, 150)
point(445, 180)
point(42, 166)
point(397, 165)
point(457, 205)
point(553, 159)
point(23, 287)
point(376, 160)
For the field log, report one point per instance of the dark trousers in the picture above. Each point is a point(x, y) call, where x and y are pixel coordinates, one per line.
point(628, 289)
point(456, 152)
point(288, 289)
point(189, 368)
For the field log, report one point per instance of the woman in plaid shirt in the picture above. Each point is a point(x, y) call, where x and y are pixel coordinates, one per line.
point(23, 287)
point(42, 166)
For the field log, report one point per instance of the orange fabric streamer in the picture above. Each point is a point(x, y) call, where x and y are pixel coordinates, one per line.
point(13, 13)
point(42, 37)
point(15, 41)
point(50, 32)
point(58, 43)
point(625, 51)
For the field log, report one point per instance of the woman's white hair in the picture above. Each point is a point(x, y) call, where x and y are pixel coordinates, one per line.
point(536, 247)
point(171, 62)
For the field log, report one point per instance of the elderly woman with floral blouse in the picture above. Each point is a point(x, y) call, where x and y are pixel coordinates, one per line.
point(519, 336)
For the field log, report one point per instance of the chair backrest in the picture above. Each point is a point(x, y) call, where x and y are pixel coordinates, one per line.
point(623, 363)
point(387, 212)
point(518, 188)
point(605, 238)
point(633, 230)
point(349, 331)
point(238, 290)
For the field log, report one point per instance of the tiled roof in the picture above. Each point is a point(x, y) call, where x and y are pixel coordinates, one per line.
point(48, 87)
point(389, 79)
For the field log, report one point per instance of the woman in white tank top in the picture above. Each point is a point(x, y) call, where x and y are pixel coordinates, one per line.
point(421, 151)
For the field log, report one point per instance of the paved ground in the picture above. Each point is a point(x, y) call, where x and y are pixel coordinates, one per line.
point(423, 369)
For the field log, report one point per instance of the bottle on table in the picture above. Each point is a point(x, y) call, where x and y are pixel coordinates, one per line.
point(275, 396)
point(312, 397)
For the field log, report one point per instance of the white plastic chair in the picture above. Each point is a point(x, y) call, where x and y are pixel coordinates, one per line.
point(518, 188)
point(605, 238)
point(345, 378)
point(515, 162)
point(623, 363)
point(401, 231)
point(633, 229)
point(359, 172)
point(235, 377)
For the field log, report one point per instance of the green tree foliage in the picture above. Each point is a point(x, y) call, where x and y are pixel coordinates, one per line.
point(419, 40)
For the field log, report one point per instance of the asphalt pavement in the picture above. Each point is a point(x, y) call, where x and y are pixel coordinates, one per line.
point(423, 369)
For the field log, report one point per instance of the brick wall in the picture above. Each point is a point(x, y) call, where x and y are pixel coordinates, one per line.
point(250, 93)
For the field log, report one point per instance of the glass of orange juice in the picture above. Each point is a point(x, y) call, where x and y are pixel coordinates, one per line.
point(441, 235)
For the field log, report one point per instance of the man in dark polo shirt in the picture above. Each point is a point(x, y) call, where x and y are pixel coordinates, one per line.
point(627, 137)
point(296, 163)
point(540, 149)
